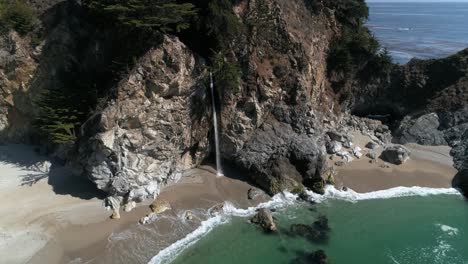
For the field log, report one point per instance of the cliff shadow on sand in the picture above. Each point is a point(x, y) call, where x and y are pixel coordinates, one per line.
point(36, 167)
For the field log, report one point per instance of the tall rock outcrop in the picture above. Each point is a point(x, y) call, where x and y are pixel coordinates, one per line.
point(268, 126)
point(155, 128)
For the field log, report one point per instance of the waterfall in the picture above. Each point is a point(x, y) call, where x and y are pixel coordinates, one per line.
point(219, 168)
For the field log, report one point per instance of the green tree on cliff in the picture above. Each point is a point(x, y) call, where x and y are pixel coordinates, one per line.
point(162, 15)
point(16, 15)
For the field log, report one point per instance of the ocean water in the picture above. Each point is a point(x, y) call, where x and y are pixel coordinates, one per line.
point(421, 30)
point(365, 229)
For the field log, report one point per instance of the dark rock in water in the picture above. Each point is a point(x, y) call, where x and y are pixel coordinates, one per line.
point(396, 154)
point(344, 189)
point(316, 185)
point(422, 130)
point(264, 219)
point(317, 232)
point(461, 181)
point(216, 210)
point(316, 257)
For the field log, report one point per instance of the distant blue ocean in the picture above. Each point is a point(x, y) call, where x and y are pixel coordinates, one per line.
point(421, 30)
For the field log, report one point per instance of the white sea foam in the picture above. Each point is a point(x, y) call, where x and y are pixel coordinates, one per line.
point(281, 200)
point(451, 231)
point(352, 196)
point(170, 253)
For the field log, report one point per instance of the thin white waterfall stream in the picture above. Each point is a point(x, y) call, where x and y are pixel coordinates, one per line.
point(219, 168)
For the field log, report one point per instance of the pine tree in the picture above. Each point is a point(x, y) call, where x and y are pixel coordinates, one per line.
point(162, 15)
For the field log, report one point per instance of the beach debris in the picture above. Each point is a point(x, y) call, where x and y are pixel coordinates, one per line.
point(357, 152)
point(396, 154)
point(253, 193)
point(372, 145)
point(264, 219)
point(334, 147)
point(160, 205)
point(216, 210)
point(344, 189)
point(317, 232)
point(149, 218)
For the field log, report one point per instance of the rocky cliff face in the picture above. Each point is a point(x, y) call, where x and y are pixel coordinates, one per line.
point(155, 122)
point(428, 102)
point(155, 128)
point(269, 126)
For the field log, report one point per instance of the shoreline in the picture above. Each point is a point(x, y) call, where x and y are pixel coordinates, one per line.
point(68, 229)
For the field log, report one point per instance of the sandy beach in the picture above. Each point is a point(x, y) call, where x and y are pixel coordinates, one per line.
point(58, 218)
point(428, 166)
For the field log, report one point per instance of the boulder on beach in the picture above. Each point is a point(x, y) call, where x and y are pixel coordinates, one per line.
point(396, 154)
point(160, 206)
point(115, 214)
point(334, 147)
point(253, 193)
point(264, 219)
point(372, 145)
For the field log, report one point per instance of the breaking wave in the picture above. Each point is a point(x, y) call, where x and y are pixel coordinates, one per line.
point(281, 200)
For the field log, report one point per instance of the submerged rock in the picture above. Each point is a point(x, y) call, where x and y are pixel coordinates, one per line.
point(317, 232)
point(396, 154)
point(264, 219)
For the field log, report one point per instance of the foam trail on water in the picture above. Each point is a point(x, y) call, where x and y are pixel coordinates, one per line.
point(170, 253)
point(352, 196)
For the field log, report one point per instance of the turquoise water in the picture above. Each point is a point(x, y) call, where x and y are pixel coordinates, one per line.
point(422, 30)
point(409, 230)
